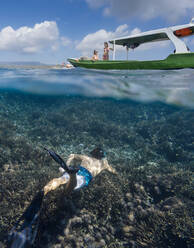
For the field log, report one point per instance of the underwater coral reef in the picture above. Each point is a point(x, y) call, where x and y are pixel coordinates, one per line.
point(148, 204)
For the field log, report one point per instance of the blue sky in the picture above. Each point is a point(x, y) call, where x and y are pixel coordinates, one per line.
point(51, 31)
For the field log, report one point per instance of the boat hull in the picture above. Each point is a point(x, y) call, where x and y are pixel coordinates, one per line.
point(173, 61)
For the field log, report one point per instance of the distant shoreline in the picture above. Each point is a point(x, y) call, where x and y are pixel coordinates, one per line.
point(4, 66)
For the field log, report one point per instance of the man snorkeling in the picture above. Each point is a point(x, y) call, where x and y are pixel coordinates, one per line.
point(83, 169)
point(77, 173)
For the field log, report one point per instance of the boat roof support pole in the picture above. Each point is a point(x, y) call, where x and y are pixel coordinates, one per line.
point(114, 50)
point(179, 44)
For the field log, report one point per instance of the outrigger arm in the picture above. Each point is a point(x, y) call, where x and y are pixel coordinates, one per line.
point(174, 34)
point(114, 50)
point(178, 43)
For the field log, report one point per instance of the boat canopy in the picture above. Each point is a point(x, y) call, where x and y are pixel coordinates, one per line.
point(170, 33)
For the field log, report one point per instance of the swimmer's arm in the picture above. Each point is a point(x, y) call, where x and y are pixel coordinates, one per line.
point(111, 169)
point(70, 158)
point(74, 159)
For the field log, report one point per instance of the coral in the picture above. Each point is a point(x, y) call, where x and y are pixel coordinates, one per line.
point(148, 204)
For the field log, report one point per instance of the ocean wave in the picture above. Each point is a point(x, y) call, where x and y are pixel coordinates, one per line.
point(171, 87)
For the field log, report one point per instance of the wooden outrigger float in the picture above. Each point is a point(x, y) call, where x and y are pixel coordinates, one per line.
point(182, 57)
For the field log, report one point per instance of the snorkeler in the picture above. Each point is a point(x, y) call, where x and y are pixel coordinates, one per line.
point(84, 169)
point(77, 173)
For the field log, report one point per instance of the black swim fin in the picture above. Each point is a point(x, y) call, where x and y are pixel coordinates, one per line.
point(25, 230)
point(57, 159)
point(34, 207)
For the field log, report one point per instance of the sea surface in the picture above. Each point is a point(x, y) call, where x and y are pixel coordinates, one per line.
point(144, 122)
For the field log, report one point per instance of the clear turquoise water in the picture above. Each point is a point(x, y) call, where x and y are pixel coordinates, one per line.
point(144, 122)
point(173, 86)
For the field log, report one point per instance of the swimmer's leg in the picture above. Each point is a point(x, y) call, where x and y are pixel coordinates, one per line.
point(68, 179)
point(71, 184)
point(55, 183)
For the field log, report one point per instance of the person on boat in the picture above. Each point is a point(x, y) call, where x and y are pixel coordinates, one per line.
point(95, 56)
point(106, 51)
point(77, 173)
point(68, 66)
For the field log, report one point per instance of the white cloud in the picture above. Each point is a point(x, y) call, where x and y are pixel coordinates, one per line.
point(30, 40)
point(135, 31)
point(96, 40)
point(65, 41)
point(145, 9)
